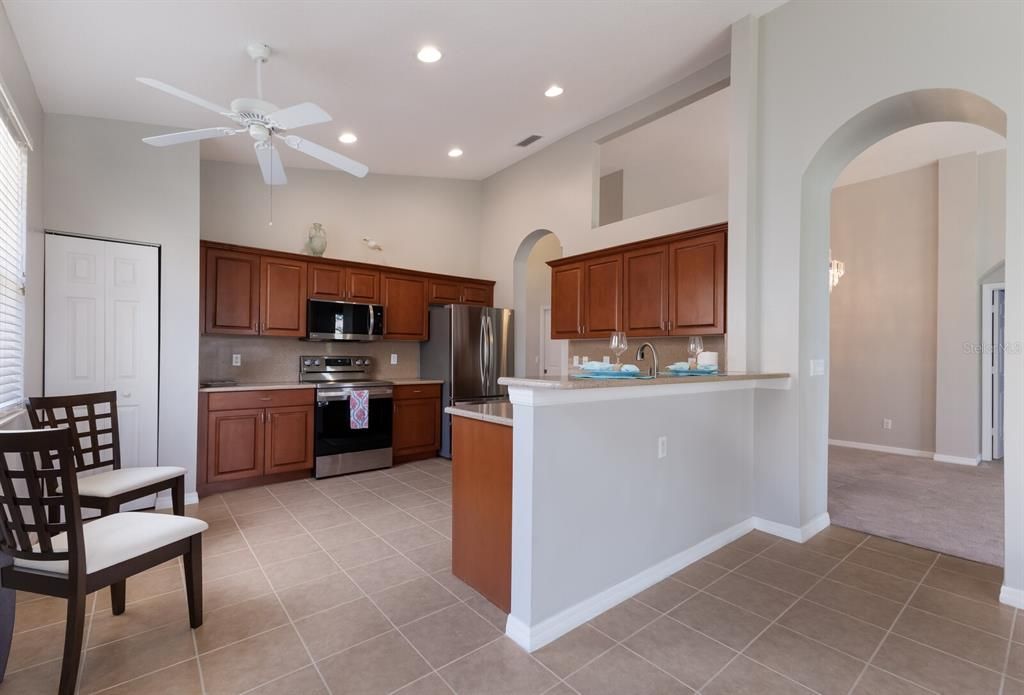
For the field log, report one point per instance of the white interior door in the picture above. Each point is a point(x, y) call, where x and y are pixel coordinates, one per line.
point(102, 323)
point(993, 341)
point(551, 351)
point(999, 377)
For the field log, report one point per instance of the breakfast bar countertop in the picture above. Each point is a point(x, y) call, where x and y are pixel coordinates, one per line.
point(266, 386)
point(499, 412)
point(567, 382)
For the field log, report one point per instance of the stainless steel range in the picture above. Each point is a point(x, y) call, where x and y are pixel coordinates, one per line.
point(339, 447)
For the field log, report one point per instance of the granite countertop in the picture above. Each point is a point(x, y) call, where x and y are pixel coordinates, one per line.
point(566, 382)
point(499, 412)
point(253, 386)
point(413, 382)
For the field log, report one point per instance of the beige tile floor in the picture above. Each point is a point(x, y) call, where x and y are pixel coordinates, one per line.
point(343, 586)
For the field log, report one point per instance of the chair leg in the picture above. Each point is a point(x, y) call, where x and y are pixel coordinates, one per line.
point(8, 601)
point(73, 633)
point(194, 580)
point(178, 496)
point(117, 597)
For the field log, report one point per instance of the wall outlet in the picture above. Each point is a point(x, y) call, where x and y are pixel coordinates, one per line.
point(575, 360)
point(818, 367)
point(606, 359)
point(236, 360)
point(585, 359)
point(394, 358)
point(886, 423)
point(662, 447)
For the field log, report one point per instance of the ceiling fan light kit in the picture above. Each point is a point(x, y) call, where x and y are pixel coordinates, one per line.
point(263, 121)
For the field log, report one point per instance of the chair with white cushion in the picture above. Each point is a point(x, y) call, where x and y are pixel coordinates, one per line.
point(70, 558)
point(93, 417)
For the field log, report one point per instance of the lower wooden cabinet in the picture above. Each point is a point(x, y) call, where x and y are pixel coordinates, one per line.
point(416, 432)
point(252, 437)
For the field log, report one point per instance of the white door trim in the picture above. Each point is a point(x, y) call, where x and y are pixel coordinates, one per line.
point(987, 364)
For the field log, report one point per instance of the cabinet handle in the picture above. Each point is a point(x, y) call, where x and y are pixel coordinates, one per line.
point(268, 398)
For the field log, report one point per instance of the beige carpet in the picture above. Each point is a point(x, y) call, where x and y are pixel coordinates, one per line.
point(957, 510)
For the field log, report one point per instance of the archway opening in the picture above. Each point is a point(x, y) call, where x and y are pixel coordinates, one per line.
point(865, 129)
point(531, 298)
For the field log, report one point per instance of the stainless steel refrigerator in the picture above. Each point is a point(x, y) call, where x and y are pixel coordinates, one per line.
point(470, 348)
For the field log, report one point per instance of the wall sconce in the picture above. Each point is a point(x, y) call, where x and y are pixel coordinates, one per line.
point(836, 270)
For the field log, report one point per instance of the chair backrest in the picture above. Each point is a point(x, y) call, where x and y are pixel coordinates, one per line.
point(39, 496)
point(92, 417)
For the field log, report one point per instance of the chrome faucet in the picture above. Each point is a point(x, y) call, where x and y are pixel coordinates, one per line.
point(653, 370)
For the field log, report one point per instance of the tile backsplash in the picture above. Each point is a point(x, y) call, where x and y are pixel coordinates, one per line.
point(669, 350)
point(277, 359)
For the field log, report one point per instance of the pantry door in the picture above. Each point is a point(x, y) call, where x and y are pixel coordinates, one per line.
point(102, 331)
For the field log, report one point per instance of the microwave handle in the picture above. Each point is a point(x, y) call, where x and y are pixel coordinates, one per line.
point(373, 318)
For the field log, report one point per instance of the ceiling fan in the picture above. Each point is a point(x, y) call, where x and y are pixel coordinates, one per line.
point(263, 121)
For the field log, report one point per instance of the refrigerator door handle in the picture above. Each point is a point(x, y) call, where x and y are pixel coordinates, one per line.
point(490, 355)
point(482, 352)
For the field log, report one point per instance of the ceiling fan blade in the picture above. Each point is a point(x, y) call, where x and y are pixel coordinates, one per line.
point(270, 164)
point(331, 157)
point(175, 92)
point(188, 136)
point(306, 113)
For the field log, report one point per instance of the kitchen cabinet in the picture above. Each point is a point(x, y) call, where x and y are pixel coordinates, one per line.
point(602, 294)
point(342, 283)
point(405, 306)
point(253, 437)
point(697, 285)
point(458, 292)
point(416, 432)
point(282, 297)
point(672, 285)
point(645, 291)
point(231, 290)
point(567, 301)
point(362, 285)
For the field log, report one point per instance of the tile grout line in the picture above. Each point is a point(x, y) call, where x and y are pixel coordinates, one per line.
point(1009, 648)
point(888, 632)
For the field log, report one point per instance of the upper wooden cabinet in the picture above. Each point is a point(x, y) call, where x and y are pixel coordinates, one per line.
point(231, 292)
point(602, 314)
point(341, 283)
point(697, 285)
point(567, 301)
point(673, 285)
point(645, 291)
point(282, 297)
point(459, 292)
point(405, 306)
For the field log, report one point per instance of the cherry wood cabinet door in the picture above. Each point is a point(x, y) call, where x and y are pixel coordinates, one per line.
point(567, 301)
point(289, 439)
point(234, 444)
point(445, 292)
point(697, 285)
point(602, 296)
point(282, 296)
point(417, 427)
point(480, 295)
point(232, 292)
point(405, 306)
point(645, 291)
point(362, 286)
point(326, 281)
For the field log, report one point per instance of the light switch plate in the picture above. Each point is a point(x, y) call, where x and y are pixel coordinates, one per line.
point(662, 447)
point(607, 359)
point(236, 360)
point(575, 360)
point(818, 367)
point(394, 358)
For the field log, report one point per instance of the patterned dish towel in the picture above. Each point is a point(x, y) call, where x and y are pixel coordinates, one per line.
point(359, 410)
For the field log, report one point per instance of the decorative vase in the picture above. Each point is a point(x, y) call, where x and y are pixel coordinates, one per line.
point(317, 242)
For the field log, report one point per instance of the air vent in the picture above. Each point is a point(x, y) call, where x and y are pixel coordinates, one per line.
point(528, 141)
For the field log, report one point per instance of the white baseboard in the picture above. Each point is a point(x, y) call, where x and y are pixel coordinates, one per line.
point(163, 501)
point(881, 448)
point(1012, 597)
point(960, 460)
point(793, 533)
point(550, 629)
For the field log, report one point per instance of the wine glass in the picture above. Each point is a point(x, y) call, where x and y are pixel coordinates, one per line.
point(618, 345)
point(696, 347)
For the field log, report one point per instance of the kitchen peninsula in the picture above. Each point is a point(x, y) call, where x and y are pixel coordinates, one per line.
point(600, 489)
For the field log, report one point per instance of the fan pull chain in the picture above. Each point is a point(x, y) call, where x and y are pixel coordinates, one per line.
point(271, 187)
point(259, 79)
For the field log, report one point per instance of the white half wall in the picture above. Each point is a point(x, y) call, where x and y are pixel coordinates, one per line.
point(101, 180)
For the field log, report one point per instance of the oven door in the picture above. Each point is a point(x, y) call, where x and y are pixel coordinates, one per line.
point(341, 449)
point(327, 320)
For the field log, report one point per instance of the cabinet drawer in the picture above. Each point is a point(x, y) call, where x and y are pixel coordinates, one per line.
point(237, 400)
point(409, 391)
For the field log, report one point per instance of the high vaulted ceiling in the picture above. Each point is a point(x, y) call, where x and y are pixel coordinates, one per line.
point(358, 61)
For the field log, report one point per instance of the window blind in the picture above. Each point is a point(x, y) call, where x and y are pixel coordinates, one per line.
point(13, 164)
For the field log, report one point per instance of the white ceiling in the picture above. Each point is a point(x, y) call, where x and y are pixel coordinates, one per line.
point(357, 60)
point(918, 146)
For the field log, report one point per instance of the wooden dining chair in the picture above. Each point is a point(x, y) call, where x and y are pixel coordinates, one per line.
point(71, 558)
point(93, 417)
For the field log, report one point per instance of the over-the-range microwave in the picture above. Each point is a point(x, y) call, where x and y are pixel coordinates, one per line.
point(330, 320)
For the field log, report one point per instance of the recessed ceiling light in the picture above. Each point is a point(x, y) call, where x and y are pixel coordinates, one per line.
point(347, 138)
point(454, 152)
point(429, 54)
point(553, 91)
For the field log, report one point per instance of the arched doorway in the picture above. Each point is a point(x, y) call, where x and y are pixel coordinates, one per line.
point(868, 127)
point(531, 294)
